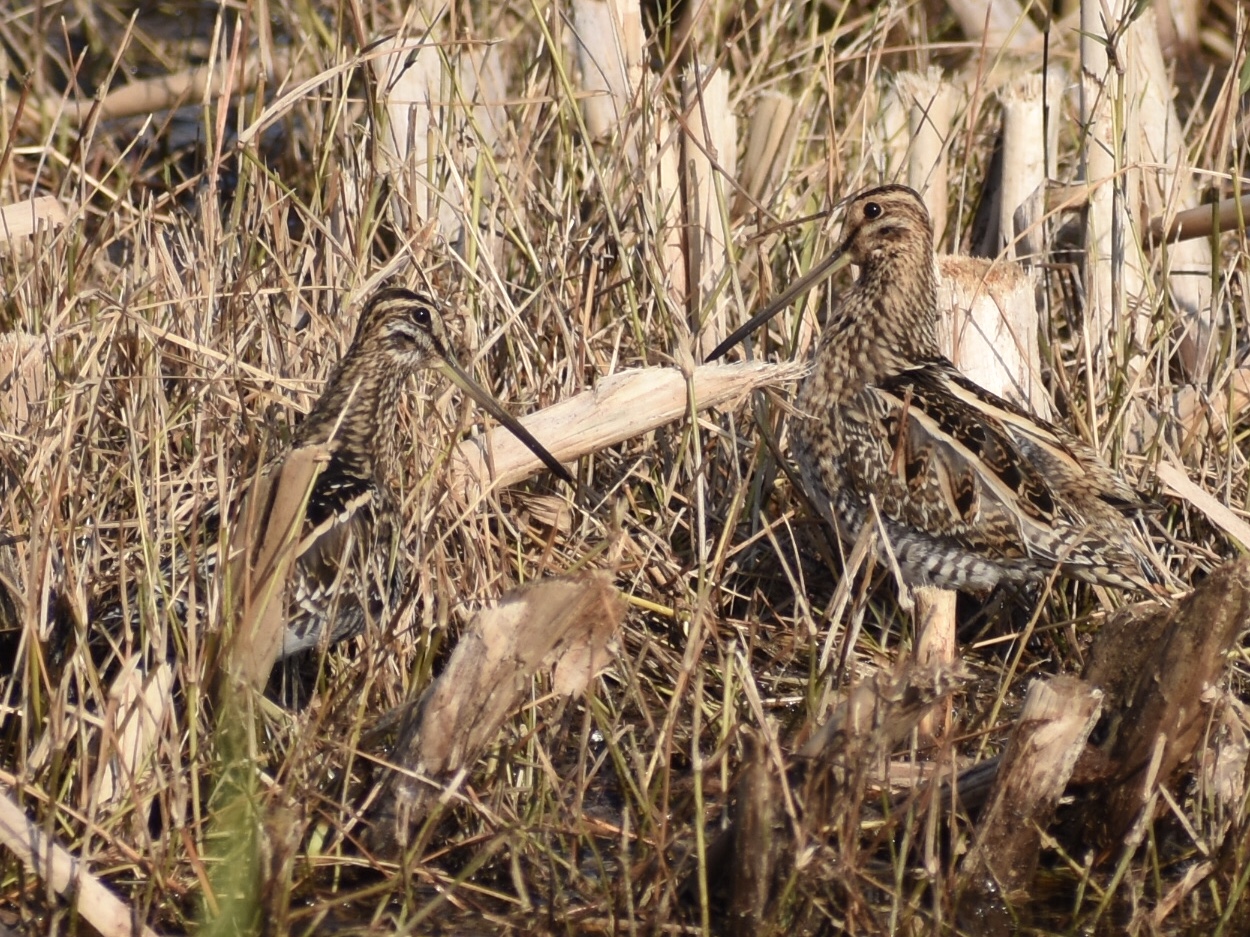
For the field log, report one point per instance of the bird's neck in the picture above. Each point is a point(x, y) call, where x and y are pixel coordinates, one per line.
point(356, 417)
point(883, 324)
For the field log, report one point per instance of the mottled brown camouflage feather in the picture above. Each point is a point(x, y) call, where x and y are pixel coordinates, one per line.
point(349, 568)
point(971, 489)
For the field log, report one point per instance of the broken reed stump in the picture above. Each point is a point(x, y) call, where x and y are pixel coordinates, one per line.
point(1155, 666)
point(754, 840)
point(1049, 736)
point(988, 329)
point(1151, 667)
point(562, 624)
point(936, 630)
point(829, 780)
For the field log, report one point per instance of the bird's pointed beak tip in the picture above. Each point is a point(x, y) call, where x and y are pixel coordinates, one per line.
point(453, 372)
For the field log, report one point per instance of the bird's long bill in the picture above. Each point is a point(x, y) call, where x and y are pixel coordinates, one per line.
point(453, 373)
point(819, 273)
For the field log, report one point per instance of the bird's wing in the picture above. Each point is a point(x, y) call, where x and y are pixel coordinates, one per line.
point(1065, 460)
point(948, 458)
point(342, 517)
point(346, 570)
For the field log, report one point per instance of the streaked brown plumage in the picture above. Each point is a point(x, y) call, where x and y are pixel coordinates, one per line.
point(971, 489)
point(349, 567)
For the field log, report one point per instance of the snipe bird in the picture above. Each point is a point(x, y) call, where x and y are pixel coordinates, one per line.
point(350, 558)
point(971, 490)
point(349, 566)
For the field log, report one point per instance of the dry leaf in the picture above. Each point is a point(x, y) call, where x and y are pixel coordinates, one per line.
point(22, 219)
point(565, 624)
point(142, 702)
point(263, 549)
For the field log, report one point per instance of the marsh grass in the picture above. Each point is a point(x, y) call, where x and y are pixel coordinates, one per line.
point(209, 274)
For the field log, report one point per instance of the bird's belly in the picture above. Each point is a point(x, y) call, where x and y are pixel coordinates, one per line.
point(923, 558)
point(331, 599)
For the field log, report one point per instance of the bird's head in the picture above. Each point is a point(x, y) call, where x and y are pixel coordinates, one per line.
point(406, 327)
point(886, 229)
point(884, 225)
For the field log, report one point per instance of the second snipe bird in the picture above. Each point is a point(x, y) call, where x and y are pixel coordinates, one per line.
point(348, 566)
point(971, 490)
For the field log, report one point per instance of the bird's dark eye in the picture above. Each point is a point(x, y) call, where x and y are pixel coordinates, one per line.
point(421, 315)
point(872, 210)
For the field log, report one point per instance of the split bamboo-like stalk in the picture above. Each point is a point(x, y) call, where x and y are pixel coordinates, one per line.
point(66, 874)
point(710, 149)
point(891, 130)
point(936, 633)
point(770, 137)
point(1113, 277)
point(431, 97)
point(1178, 26)
point(1023, 186)
point(622, 406)
point(662, 186)
point(1163, 182)
point(999, 24)
point(410, 86)
point(989, 327)
point(608, 41)
point(609, 46)
point(930, 104)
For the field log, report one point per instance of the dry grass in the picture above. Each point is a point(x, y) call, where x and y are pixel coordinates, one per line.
point(209, 273)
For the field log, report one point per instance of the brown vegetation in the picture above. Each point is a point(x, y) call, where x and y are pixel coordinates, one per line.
point(195, 200)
